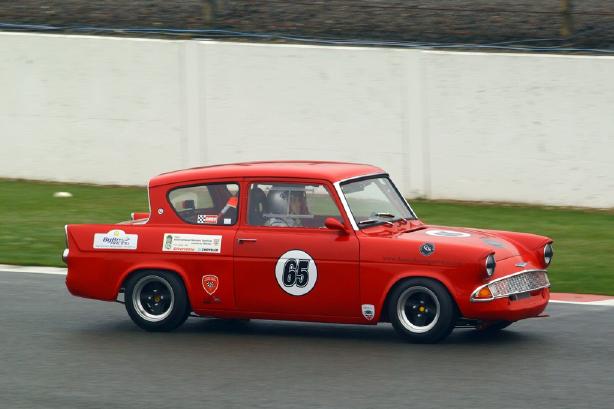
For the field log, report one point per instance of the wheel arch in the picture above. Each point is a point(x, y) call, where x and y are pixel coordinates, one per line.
point(398, 280)
point(166, 267)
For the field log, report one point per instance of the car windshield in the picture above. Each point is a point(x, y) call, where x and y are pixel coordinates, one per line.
point(374, 201)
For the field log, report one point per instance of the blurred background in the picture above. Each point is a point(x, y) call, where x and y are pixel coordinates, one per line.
point(493, 114)
point(546, 23)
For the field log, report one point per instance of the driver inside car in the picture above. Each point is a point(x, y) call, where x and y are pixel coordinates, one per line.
point(287, 205)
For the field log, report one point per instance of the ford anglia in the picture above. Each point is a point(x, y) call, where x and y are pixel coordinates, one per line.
point(304, 241)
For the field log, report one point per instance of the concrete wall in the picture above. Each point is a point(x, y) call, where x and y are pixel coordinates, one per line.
point(509, 127)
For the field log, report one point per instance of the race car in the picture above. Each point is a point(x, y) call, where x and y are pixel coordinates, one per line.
point(304, 241)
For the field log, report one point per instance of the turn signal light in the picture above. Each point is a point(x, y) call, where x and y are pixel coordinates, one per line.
point(484, 293)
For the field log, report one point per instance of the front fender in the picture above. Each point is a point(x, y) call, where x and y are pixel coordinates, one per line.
point(376, 284)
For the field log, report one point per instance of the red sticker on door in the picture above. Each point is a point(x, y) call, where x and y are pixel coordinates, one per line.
point(210, 283)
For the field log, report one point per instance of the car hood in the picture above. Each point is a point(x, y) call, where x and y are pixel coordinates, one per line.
point(460, 237)
point(418, 243)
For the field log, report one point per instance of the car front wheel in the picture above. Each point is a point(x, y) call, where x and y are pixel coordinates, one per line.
point(156, 300)
point(422, 310)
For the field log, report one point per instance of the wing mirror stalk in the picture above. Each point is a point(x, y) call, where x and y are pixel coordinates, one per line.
point(334, 224)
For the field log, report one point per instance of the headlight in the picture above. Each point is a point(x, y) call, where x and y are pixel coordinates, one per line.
point(548, 253)
point(490, 265)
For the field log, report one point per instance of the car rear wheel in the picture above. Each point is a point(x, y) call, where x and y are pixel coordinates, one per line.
point(156, 300)
point(421, 310)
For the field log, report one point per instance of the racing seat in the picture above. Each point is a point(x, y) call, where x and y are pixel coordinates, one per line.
point(256, 207)
point(229, 211)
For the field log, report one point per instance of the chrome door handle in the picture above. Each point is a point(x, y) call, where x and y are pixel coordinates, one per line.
point(241, 241)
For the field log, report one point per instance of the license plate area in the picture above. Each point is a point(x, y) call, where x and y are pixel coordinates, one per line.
point(520, 296)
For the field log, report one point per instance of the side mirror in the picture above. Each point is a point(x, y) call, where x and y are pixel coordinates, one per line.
point(334, 224)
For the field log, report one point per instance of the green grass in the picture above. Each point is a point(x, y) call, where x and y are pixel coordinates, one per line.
point(32, 227)
point(32, 220)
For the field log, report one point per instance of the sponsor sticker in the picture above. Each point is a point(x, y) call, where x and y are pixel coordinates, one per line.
point(296, 272)
point(447, 233)
point(210, 283)
point(206, 219)
point(368, 311)
point(192, 243)
point(227, 221)
point(427, 249)
point(116, 239)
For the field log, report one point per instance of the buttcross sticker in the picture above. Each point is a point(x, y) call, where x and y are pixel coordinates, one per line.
point(210, 283)
point(115, 239)
point(296, 272)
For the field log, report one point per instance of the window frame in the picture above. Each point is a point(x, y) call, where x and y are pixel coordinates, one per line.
point(330, 188)
point(353, 222)
point(203, 183)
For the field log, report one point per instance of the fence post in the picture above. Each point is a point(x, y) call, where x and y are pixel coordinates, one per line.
point(209, 10)
point(566, 18)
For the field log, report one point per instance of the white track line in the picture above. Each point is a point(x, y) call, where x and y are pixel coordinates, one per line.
point(607, 303)
point(33, 269)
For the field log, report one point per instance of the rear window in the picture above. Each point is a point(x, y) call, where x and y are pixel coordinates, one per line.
point(213, 204)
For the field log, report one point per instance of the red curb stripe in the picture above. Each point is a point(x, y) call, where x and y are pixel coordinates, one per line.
point(571, 297)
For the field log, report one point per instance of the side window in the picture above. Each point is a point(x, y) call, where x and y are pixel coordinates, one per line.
point(290, 205)
point(214, 203)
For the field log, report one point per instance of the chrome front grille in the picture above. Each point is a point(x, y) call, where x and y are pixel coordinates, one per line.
point(518, 283)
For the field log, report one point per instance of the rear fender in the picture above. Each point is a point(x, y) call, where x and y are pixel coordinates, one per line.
point(165, 266)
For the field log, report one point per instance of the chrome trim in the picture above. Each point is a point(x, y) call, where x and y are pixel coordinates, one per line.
point(149, 197)
point(344, 202)
point(402, 315)
point(544, 255)
point(488, 257)
point(65, 252)
point(140, 309)
point(477, 290)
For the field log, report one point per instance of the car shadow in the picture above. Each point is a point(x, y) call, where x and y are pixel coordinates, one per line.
point(384, 332)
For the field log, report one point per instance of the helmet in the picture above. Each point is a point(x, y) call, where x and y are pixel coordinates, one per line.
point(279, 196)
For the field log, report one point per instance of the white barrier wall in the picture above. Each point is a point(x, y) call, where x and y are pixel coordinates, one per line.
point(477, 126)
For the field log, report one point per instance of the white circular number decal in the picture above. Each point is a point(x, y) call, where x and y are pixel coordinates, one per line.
point(447, 233)
point(296, 272)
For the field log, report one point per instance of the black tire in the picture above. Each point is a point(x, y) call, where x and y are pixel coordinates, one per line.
point(494, 326)
point(421, 310)
point(156, 300)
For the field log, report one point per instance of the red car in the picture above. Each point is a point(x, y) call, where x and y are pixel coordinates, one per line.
point(304, 241)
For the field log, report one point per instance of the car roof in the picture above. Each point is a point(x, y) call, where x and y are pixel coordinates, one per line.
point(331, 171)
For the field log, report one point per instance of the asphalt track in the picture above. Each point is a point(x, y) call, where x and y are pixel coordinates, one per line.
point(58, 351)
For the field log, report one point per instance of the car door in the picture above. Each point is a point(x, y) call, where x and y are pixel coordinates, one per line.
point(202, 241)
point(287, 263)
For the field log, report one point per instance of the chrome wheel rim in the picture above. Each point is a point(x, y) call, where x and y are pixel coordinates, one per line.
point(153, 298)
point(418, 309)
